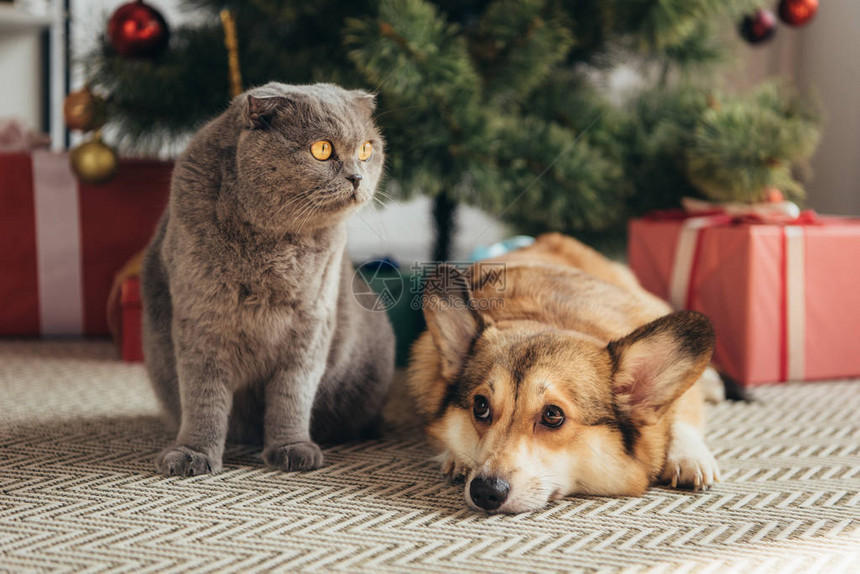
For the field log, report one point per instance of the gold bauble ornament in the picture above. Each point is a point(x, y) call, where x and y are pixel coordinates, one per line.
point(94, 162)
point(84, 110)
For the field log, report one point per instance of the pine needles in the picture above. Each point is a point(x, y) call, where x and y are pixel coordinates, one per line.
point(493, 103)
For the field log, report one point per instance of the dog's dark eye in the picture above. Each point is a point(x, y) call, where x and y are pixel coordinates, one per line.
point(481, 408)
point(552, 416)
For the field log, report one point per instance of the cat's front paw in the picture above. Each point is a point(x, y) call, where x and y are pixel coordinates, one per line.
point(689, 462)
point(178, 460)
point(305, 455)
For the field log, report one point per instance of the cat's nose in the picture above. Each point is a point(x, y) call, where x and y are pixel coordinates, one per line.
point(355, 179)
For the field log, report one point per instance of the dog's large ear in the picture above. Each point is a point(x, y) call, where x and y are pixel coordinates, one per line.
point(260, 111)
point(451, 317)
point(655, 364)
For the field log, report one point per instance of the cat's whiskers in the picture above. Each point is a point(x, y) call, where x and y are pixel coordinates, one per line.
point(383, 194)
point(301, 211)
point(289, 202)
point(310, 213)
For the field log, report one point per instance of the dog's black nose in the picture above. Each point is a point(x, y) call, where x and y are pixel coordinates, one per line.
point(355, 178)
point(488, 493)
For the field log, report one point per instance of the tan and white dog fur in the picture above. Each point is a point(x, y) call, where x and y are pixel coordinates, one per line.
point(578, 381)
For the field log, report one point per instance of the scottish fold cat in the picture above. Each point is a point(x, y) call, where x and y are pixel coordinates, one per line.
point(251, 329)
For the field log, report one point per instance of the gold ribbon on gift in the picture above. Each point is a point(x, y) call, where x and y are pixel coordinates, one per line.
point(114, 307)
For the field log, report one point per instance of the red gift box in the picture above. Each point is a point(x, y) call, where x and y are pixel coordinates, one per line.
point(129, 334)
point(63, 241)
point(783, 297)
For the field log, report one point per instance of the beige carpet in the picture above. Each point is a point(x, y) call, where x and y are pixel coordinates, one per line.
point(79, 430)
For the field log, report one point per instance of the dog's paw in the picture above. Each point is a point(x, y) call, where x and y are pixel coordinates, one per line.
point(179, 460)
point(305, 455)
point(453, 470)
point(689, 463)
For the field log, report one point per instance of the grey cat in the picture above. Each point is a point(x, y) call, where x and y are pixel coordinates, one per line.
point(251, 331)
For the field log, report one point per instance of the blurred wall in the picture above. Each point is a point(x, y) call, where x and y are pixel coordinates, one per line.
point(824, 55)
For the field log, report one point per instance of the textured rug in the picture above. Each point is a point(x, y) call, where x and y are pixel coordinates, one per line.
point(79, 431)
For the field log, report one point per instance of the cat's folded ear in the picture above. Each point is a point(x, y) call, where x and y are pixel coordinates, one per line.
point(260, 111)
point(364, 101)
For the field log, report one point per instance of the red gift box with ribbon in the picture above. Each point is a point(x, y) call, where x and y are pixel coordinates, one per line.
point(63, 241)
point(780, 286)
point(129, 337)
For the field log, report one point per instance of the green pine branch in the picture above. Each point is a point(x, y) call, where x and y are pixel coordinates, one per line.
point(746, 145)
point(518, 45)
point(494, 102)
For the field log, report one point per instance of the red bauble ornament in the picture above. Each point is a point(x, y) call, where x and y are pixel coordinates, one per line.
point(797, 12)
point(137, 30)
point(759, 27)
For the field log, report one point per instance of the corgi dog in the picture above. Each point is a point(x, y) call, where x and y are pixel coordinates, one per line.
point(569, 378)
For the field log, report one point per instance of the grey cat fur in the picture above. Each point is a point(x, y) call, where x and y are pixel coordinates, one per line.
point(250, 325)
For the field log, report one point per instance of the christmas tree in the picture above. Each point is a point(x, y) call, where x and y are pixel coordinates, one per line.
point(499, 104)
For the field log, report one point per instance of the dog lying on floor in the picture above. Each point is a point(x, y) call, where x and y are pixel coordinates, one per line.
point(569, 378)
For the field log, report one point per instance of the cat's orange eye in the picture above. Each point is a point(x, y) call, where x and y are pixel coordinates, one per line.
point(321, 150)
point(365, 151)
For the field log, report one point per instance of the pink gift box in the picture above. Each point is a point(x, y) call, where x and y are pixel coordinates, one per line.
point(784, 299)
